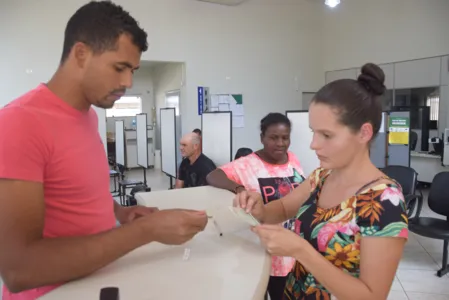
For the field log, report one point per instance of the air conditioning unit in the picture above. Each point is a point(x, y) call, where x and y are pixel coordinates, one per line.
point(225, 2)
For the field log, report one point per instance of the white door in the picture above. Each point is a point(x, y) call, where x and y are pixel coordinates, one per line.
point(172, 100)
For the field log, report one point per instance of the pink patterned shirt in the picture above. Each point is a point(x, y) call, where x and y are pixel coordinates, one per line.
point(272, 182)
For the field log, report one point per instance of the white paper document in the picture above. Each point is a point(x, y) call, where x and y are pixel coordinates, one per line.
point(229, 102)
point(244, 216)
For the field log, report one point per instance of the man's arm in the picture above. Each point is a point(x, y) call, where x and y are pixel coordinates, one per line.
point(179, 184)
point(181, 176)
point(27, 260)
point(206, 168)
point(210, 166)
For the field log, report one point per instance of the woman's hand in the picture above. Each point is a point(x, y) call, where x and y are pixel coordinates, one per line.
point(280, 241)
point(251, 202)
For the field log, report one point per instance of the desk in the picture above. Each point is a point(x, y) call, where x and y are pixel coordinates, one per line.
point(426, 165)
point(233, 266)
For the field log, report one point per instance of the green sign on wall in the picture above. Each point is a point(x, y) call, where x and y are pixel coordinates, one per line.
point(399, 128)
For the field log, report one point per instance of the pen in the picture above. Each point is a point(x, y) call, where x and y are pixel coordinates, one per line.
point(218, 227)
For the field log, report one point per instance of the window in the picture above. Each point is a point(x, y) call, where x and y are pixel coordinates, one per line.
point(387, 100)
point(423, 104)
point(126, 106)
point(434, 102)
point(172, 100)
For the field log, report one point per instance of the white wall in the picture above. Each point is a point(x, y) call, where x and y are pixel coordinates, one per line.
point(386, 31)
point(143, 87)
point(167, 77)
point(261, 58)
point(382, 31)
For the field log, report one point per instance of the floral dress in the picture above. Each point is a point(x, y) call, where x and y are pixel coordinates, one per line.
point(336, 232)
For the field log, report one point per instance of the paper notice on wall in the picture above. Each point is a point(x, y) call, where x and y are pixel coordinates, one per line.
point(224, 99)
point(214, 100)
point(399, 128)
point(229, 102)
point(223, 107)
point(237, 110)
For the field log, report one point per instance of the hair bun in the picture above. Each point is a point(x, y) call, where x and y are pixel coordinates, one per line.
point(372, 78)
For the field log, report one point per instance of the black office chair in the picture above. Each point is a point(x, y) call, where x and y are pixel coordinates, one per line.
point(131, 199)
point(408, 179)
point(242, 152)
point(432, 227)
point(115, 177)
point(125, 184)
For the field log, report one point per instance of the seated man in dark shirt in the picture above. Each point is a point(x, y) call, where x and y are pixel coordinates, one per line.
point(195, 166)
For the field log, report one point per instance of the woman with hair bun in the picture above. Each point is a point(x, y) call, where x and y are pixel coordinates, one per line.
point(350, 219)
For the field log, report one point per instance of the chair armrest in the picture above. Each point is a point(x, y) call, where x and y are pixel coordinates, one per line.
point(410, 202)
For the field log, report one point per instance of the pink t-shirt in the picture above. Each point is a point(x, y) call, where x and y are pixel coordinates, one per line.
point(46, 140)
point(272, 182)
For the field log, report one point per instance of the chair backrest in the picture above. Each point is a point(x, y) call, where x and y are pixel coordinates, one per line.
point(121, 169)
point(139, 189)
point(405, 176)
point(439, 194)
point(242, 152)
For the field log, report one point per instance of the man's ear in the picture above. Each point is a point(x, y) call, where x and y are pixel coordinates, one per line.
point(81, 53)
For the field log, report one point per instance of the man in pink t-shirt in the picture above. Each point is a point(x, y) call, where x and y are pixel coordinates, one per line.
point(57, 216)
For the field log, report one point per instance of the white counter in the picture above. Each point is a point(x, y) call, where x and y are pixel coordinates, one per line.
point(233, 266)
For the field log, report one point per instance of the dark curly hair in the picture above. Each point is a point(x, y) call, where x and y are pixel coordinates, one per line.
point(274, 119)
point(99, 24)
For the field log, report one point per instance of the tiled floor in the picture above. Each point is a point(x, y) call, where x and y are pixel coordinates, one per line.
point(416, 277)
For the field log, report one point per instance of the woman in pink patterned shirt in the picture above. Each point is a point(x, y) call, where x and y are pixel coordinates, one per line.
point(272, 171)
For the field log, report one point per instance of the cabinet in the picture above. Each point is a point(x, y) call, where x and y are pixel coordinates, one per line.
point(445, 70)
point(341, 74)
point(417, 73)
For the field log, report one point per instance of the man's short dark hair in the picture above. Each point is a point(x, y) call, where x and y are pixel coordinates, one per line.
point(99, 24)
point(197, 131)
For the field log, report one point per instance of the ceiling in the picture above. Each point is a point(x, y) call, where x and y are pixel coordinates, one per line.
point(261, 2)
point(225, 2)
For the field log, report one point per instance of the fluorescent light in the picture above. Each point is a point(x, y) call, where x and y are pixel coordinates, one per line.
point(332, 3)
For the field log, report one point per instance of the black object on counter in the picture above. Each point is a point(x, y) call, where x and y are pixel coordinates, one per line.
point(109, 293)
